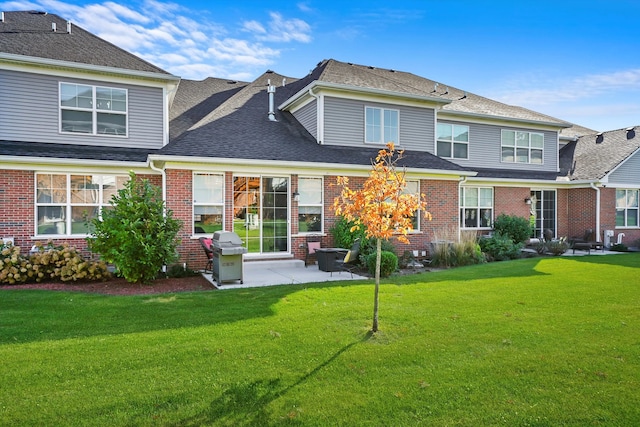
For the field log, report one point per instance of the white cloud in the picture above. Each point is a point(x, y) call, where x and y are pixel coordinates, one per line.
point(187, 43)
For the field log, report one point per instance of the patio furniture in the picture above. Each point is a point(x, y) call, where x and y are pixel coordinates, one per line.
point(587, 242)
point(206, 245)
point(312, 245)
point(350, 260)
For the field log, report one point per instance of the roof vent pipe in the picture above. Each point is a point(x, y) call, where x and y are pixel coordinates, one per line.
point(271, 90)
point(1, 16)
point(53, 27)
point(69, 27)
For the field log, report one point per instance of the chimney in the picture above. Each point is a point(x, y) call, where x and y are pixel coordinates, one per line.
point(271, 90)
point(69, 27)
point(53, 27)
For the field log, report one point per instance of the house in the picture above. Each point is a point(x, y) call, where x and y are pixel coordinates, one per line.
point(260, 158)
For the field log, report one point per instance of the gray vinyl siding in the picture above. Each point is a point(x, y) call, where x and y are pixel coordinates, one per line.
point(344, 124)
point(308, 117)
point(485, 148)
point(29, 109)
point(628, 172)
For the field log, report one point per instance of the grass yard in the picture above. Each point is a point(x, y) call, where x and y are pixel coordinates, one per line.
point(534, 342)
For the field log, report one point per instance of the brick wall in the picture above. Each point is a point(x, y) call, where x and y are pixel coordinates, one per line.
point(17, 206)
point(510, 201)
point(581, 208)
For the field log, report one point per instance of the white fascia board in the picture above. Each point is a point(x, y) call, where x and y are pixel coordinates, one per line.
point(302, 94)
point(538, 183)
point(70, 165)
point(500, 120)
point(225, 164)
point(74, 66)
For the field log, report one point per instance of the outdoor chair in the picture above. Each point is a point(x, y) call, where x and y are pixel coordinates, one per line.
point(587, 242)
point(206, 245)
point(350, 260)
point(312, 245)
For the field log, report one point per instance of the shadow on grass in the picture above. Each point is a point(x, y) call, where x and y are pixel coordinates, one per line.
point(247, 403)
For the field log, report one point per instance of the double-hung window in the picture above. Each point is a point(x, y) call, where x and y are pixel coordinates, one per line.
point(66, 203)
point(627, 208)
point(310, 205)
point(208, 203)
point(381, 125)
point(93, 110)
point(453, 141)
point(476, 207)
point(522, 147)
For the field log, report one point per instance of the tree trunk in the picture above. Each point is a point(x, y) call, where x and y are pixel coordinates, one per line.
point(374, 328)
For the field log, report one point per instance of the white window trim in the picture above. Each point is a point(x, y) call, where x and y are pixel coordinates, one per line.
point(453, 142)
point(515, 147)
point(418, 212)
point(320, 205)
point(68, 205)
point(94, 111)
point(382, 110)
point(196, 203)
point(461, 207)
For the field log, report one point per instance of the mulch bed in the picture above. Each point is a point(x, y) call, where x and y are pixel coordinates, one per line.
point(119, 286)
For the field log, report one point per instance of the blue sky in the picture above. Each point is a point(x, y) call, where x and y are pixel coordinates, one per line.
point(575, 60)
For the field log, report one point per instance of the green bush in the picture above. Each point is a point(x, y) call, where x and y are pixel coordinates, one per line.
point(388, 263)
point(500, 248)
point(136, 235)
point(619, 247)
point(343, 237)
point(516, 228)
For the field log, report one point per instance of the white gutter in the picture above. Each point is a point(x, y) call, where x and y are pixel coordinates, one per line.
point(85, 67)
point(164, 183)
point(597, 211)
point(67, 161)
point(319, 115)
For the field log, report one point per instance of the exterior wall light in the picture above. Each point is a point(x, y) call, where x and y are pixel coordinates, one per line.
point(527, 200)
point(296, 196)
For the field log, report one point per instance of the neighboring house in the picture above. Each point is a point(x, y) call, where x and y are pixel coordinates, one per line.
point(261, 158)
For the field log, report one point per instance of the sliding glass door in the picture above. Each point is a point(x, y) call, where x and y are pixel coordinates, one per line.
point(543, 209)
point(261, 212)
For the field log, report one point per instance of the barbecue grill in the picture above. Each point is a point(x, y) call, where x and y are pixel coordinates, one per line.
point(227, 256)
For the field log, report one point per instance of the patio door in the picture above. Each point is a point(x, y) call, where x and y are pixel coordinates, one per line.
point(261, 212)
point(543, 210)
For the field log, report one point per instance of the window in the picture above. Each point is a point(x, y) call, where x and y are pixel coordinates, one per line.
point(413, 187)
point(310, 205)
point(93, 110)
point(453, 141)
point(522, 147)
point(65, 204)
point(381, 125)
point(476, 207)
point(627, 208)
point(208, 203)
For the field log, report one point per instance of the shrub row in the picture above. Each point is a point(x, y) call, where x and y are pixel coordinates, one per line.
point(48, 263)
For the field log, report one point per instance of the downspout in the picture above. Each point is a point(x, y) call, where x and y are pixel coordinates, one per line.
point(597, 210)
point(320, 118)
point(164, 183)
point(461, 182)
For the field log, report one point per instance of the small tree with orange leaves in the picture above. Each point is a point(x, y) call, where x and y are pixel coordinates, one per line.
point(381, 206)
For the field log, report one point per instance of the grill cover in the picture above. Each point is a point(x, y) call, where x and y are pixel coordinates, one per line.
point(227, 243)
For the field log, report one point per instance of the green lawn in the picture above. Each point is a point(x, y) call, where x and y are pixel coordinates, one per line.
point(535, 342)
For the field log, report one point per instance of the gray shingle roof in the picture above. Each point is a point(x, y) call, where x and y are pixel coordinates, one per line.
point(240, 129)
point(402, 82)
point(77, 152)
point(30, 34)
point(595, 155)
point(195, 99)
